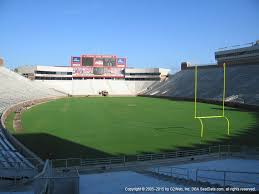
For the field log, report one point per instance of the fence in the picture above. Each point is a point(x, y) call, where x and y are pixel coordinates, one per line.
point(41, 181)
point(173, 172)
point(219, 177)
point(46, 181)
point(79, 162)
point(219, 151)
point(18, 178)
point(224, 178)
point(65, 182)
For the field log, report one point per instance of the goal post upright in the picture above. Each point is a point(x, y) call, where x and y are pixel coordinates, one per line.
point(195, 92)
point(224, 90)
point(223, 101)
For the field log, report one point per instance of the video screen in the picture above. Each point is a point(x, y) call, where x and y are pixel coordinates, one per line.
point(87, 61)
point(110, 62)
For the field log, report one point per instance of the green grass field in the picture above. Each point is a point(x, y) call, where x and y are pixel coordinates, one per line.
point(99, 127)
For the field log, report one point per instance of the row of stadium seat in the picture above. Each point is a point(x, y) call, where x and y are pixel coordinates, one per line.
point(20, 88)
point(15, 89)
point(9, 157)
point(241, 84)
point(94, 86)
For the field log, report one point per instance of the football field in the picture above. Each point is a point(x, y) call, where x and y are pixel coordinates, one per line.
point(109, 126)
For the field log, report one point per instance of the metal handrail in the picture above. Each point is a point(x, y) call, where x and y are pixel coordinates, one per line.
point(186, 172)
point(81, 162)
point(220, 149)
point(41, 175)
point(230, 171)
point(225, 172)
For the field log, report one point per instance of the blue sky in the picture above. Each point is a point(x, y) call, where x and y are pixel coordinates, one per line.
point(150, 33)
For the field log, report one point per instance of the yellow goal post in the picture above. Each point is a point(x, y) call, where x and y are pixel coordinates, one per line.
point(223, 102)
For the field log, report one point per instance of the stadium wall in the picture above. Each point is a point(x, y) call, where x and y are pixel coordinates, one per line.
point(92, 87)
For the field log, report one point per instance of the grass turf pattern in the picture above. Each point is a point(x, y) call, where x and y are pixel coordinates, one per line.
point(123, 125)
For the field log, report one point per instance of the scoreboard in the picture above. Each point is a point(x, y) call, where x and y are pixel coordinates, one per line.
point(98, 66)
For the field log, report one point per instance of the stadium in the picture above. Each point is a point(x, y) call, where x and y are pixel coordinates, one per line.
point(101, 123)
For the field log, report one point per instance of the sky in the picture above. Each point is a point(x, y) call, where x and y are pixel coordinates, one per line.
point(149, 33)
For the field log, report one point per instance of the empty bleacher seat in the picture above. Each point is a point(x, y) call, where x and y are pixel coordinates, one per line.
point(15, 89)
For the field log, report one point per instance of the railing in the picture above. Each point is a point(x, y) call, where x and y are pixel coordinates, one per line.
point(12, 180)
point(225, 178)
point(219, 177)
point(79, 162)
point(41, 180)
point(124, 160)
point(60, 182)
point(46, 181)
point(19, 179)
point(173, 172)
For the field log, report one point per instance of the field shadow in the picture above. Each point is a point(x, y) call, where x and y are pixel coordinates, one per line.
point(47, 146)
point(247, 137)
point(51, 147)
